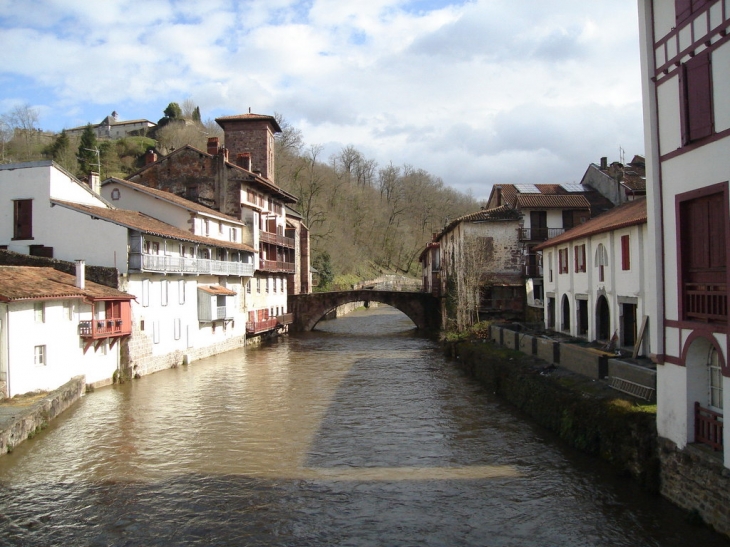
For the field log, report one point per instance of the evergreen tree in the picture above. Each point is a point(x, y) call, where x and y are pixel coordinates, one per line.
point(323, 264)
point(196, 115)
point(173, 111)
point(88, 155)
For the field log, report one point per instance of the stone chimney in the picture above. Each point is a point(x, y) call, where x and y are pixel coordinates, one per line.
point(604, 164)
point(244, 161)
point(212, 145)
point(80, 274)
point(150, 157)
point(224, 153)
point(95, 182)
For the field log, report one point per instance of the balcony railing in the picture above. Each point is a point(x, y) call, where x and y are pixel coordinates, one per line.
point(539, 234)
point(103, 328)
point(708, 427)
point(276, 239)
point(256, 327)
point(285, 319)
point(705, 302)
point(178, 264)
point(277, 266)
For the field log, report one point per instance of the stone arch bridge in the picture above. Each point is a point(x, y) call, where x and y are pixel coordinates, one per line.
point(308, 309)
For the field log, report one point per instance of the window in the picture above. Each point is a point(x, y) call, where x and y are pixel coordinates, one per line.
point(580, 258)
point(156, 332)
point(625, 253)
point(563, 261)
point(39, 312)
point(182, 250)
point(68, 310)
point(601, 261)
point(155, 248)
point(181, 291)
point(39, 355)
point(685, 8)
point(220, 227)
point(206, 226)
point(145, 292)
point(163, 292)
point(715, 380)
point(268, 284)
point(23, 219)
point(191, 192)
point(696, 100)
point(248, 286)
point(177, 328)
point(550, 267)
point(258, 285)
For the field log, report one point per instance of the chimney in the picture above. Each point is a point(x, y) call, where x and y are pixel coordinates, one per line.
point(150, 157)
point(95, 182)
point(604, 164)
point(80, 274)
point(244, 160)
point(212, 145)
point(224, 152)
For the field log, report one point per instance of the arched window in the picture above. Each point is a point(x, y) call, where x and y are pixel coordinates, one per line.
point(601, 261)
point(714, 378)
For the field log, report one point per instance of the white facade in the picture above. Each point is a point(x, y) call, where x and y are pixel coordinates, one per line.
point(685, 72)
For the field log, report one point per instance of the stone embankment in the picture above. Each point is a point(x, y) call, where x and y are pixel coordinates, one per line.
point(22, 417)
point(585, 413)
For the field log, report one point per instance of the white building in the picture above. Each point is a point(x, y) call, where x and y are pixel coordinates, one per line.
point(685, 56)
point(55, 326)
point(596, 279)
point(189, 288)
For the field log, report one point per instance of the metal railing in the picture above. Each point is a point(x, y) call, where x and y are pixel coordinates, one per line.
point(276, 239)
point(539, 234)
point(708, 427)
point(103, 327)
point(277, 266)
point(705, 301)
point(177, 264)
point(256, 327)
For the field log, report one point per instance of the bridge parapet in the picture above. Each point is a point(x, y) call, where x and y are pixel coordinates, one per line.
point(308, 309)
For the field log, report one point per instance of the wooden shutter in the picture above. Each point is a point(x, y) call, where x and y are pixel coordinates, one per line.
point(23, 217)
point(683, 9)
point(697, 100)
point(625, 253)
point(703, 239)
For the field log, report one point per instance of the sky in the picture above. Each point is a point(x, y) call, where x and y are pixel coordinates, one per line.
point(477, 92)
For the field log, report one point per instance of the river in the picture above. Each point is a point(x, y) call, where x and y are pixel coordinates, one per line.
point(359, 433)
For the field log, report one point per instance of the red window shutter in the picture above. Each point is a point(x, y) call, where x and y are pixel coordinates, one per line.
point(697, 100)
point(625, 253)
point(683, 9)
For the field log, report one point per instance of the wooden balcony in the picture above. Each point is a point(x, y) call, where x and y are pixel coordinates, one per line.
point(104, 328)
point(277, 266)
point(539, 234)
point(187, 265)
point(257, 327)
point(708, 427)
point(276, 239)
point(706, 302)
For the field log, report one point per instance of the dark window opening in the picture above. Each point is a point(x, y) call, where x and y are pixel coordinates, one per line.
point(628, 325)
point(23, 219)
point(603, 319)
point(582, 317)
point(566, 314)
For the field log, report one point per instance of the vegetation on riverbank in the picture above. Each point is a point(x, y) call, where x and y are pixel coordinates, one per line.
point(584, 413)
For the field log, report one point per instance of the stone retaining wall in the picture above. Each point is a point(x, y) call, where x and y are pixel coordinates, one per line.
point(696, 479)
point(28, 420)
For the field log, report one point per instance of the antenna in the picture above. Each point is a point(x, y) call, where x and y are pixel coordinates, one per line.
point(621, 156)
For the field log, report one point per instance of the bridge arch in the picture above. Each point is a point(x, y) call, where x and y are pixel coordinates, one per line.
point(309, 309)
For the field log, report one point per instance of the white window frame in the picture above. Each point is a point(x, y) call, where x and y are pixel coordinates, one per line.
point(181, 291)
point(145, 293)
point(164, 292)
point(40, 355)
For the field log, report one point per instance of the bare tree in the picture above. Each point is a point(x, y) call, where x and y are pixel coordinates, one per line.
point(473, 258)
point(24, 121)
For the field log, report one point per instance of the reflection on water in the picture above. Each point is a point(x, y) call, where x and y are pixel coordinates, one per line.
point(359, 433)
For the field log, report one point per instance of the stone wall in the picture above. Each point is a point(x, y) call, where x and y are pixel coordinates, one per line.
point(696, 479)
point(28, 420)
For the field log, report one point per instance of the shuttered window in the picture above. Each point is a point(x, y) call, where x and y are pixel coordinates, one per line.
point(625, 253)
point(697, 98)
point(563, 261)
point(23, 219)
point(685, 8)
point(580, 258)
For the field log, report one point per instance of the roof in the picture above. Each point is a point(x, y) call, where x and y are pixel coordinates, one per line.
point(597, 203)
point(43, 283)
point(627, 214)
point(143, 223)
point(543, 201)
point(496, 214)
point(216, 290)
point(249, 118)
point(172, 198)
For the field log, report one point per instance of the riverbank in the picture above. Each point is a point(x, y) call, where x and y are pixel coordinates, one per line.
point(584, 413)
point(22, 417)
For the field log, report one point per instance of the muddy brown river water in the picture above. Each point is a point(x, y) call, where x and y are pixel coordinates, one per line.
point(360, 433)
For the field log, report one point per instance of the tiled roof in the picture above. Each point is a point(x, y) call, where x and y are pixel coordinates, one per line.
point(627, 214)
point(33, 283)
point(147, 224)
point(172, 198)
point(216, 290)
point(545, 201)
point(249, 117)
point(596, 202)
point(496, 214)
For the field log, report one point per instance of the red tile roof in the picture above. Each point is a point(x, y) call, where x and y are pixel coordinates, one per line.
point(33, 283)
point(510, 194)
point(627, 214)
point(545, 201)
point(497, 214)
point(216, 290)
point(172, 198)
point(249, 117)
point(147, 224)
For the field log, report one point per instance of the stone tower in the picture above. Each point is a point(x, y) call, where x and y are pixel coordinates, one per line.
point(252, 134)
